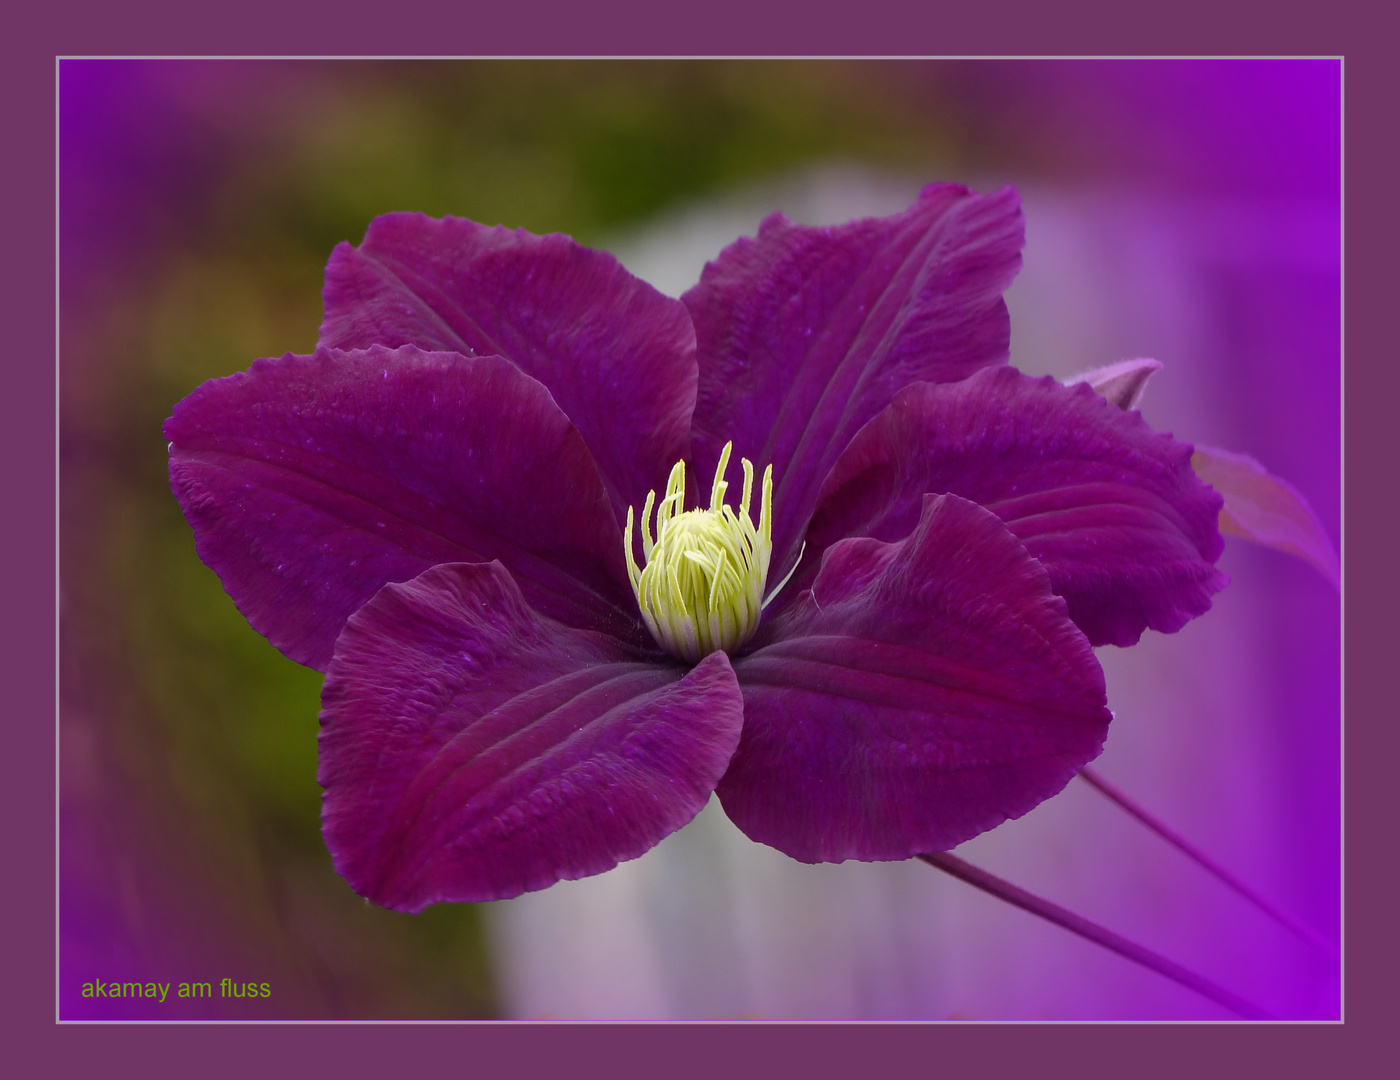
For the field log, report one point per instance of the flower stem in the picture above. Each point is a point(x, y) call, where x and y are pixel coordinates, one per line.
point(1076, 924)
point(1171, 836)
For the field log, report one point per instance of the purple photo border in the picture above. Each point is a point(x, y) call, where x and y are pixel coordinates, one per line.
point(524, 1050)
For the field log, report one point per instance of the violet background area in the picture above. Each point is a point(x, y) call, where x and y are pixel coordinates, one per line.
point(1183, 210)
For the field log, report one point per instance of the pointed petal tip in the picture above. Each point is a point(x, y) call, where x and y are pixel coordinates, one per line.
point(1120, 384)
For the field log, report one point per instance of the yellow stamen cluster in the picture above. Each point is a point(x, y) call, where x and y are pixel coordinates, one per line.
point(702, 588)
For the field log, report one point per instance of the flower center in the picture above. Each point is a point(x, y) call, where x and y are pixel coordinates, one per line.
point(702, 588)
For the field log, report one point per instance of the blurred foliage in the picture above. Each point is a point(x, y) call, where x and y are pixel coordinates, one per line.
point(581, 147)
point(209, 732)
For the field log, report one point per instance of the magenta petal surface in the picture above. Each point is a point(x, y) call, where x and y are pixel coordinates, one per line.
point(474, 750)
point(618, 356)
point(921, 693)
point(311, 481)
point(1111, 508)
point(805, 333)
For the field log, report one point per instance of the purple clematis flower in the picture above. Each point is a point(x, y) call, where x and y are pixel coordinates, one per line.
point(448, 508)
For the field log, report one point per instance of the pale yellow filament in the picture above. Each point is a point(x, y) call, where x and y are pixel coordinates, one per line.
point(702, 585)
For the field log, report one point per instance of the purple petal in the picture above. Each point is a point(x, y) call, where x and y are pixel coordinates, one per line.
point(804, 334)
point(618, 356)
point(310, 481)
point(1110, 507)
point(922, 693)
point(1266, 509)
point(473, 750)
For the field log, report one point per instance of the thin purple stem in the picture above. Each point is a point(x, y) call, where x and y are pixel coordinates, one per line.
point(1191, 851)
point(1130, 950)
